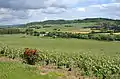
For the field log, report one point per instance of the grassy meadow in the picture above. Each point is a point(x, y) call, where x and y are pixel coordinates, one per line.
point(61, 45)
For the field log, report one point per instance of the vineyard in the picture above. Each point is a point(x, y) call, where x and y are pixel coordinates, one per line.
point(102, 66)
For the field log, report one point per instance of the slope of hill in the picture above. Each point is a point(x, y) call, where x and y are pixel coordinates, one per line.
point(87, 20)
point(16, 25)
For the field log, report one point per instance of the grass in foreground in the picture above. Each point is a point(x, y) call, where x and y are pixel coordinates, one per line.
point(12, 70)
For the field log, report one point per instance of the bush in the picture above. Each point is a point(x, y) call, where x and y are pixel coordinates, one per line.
point(42, 32)
point(30, 56)
point(68, 26)
point(95, 36)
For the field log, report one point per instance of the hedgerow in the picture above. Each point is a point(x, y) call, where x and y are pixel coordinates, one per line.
point(102, 37)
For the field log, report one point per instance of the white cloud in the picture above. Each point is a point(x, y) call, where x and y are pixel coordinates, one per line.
point(45, 19)
point(81, 9)
point(17, 11)
point(53, 10)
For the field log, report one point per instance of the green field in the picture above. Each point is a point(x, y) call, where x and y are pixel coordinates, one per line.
point(63, 29)
point(77, 27)
point(89, 57)
point(12, 70)
point(63, 56)
point(61, 45)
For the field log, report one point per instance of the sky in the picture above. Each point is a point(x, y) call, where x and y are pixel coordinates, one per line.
point(24, 11)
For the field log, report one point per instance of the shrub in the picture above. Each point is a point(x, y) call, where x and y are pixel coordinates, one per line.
point(68, 26)
point(36, 33)
point(30, 56)
point(95, 36)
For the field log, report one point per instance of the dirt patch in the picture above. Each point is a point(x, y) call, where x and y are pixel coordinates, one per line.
point(62, 73)
point(5, 59)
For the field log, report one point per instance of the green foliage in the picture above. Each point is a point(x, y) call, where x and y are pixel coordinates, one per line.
point(10, 52)
point(29, 31)
point(105, 37)
point(31, 56)
point(42, 32)
point(72, 21)
point(68, 26)
point(36, 33)
point(46, 26)
point(10, 31)
point(101, 66)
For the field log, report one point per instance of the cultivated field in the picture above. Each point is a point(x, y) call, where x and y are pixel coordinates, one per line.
point(61, 45)
point(73, 58)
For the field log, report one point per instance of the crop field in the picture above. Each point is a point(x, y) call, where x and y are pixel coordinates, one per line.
point(61, 45)
point(92, 58)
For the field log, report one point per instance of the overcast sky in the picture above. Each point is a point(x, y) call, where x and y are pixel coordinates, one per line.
point(23, 11)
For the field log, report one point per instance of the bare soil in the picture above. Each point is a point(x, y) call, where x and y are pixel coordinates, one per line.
point(5, 59)
point(64, 73)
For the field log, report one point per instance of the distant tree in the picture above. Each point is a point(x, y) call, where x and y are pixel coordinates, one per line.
point(35, 33)
point(68, 26)
point(43, 32)
point(92, 31)
point(10, 31)
point(29, 31)
point(55, 29)
point(58, 29)
point(46, 26)
point(38, 34)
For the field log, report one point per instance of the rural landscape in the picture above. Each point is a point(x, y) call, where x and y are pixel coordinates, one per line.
point(59, 39)
point(67, 49)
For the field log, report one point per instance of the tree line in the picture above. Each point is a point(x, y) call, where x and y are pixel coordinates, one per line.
point(102, 37)
point(95, 36)
point(10, 31)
